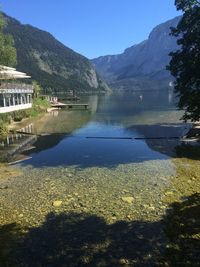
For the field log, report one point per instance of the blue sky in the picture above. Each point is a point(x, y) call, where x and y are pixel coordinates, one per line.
point(93, 27)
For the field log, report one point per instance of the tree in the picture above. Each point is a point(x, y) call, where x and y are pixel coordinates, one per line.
point(37, 89)
point(7, 50)
point(185, 62)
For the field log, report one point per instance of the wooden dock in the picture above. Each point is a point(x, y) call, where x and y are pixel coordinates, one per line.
point(70, 98)
point(69, 106)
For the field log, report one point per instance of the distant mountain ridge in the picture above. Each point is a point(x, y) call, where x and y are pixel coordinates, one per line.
point(49, 62)
point(146, 60)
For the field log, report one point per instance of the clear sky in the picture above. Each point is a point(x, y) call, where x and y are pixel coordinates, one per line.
point(93, 27)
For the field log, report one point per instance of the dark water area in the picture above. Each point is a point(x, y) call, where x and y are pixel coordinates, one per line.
point(116, 129)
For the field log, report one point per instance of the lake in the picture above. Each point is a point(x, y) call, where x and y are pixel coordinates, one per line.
point(98, 187)
point(108, 133)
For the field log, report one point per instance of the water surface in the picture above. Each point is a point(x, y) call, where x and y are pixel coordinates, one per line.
point(117, 129)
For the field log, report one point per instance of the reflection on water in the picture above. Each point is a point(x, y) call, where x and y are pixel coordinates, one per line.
point(14, 143)
point(104, 134)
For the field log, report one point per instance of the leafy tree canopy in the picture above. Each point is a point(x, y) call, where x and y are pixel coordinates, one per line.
point(8, 55)
point(185, 63)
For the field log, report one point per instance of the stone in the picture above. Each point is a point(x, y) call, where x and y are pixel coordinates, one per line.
point(3, 187)
point(145, 206)
point(151, 208)
point(128, 200)
point(123, 261)
point(168, 193)
point(57, 203)
point(125, 191)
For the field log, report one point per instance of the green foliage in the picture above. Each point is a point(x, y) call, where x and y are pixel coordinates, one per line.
point(3, 129)
point(186, 5)
point(185, 63)
point(39, 106)
point(6, 117)
point(7, 50)
point(37, 89)
point(20, 114)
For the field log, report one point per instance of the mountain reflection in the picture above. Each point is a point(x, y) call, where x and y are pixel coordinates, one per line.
point(117, 129)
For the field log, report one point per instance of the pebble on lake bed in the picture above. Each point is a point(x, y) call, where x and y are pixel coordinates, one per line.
point(128, 200)
point(168, 193)
point(57, 203)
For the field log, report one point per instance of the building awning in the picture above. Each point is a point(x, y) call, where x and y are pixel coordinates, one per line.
point(7, 73)
point(6, 68)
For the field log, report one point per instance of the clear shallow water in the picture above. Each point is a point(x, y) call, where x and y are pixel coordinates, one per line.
point(113, 192)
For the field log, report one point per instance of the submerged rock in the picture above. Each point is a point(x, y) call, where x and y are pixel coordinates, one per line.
point(3, 187)
point(168, 193)
point(128, 200)
point(57, 203)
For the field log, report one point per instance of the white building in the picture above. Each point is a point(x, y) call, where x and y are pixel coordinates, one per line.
point(14, 96)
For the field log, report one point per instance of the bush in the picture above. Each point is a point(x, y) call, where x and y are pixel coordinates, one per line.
point(6, 117)
point(3, 129)
point(40, 104)
point(20, 114)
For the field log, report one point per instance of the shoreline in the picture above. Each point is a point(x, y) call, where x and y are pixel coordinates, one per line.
point(16, 125)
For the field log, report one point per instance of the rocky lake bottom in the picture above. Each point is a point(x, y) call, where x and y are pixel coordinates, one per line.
point(123, 216)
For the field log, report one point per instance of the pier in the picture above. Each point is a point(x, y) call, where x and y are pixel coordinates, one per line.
point(70, 98)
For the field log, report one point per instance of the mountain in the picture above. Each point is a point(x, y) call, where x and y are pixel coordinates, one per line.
point(144, 63)
point(53, 65)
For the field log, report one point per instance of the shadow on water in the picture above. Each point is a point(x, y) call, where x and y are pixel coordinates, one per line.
point(46, 142)
point(188, 151)
point(83, 152)
point(73, 239)
point(160, 129)
point(165, 137)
